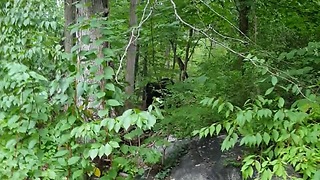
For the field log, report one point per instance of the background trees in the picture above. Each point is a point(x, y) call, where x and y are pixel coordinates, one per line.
point(62, 104)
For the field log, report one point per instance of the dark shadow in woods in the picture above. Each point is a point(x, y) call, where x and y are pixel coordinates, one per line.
point(156, 90)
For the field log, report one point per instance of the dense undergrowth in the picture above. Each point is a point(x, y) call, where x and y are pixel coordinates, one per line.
point(271, 106)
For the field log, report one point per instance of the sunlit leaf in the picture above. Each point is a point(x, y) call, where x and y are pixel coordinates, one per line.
point(73, 160)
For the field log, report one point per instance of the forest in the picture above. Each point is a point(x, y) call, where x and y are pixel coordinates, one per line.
point(90, 88)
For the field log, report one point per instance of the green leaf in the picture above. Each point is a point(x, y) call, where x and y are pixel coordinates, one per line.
point(77, 174)
point(204, 102)
point(266, 174)
point(73, 160)
point(258, 138)
point(269, 91)
point(257, 165)
point(114, 144)
point(126, 122)
point(206, 132)
point(281, 102)
point(101, 151)
point(113, 102)
point(240, 118)
point(71, 120)
point(274, 80)
point(279, 115)
point(275, 135)
point(37, 76)
point(108, 52)
point(93, 153)
point(111, 123)
point(230, 106)
point(61, 153)
point(296, 139)
point(212, 129)
point(12, 121)
point(110, 87)
point(108, 73)
point(151, 121)
point(32, 143)
point(139, 122)
point(221, 107)
point(317, 175)
point(103, 113)
point(85, 39)
point(53, 25)
point(215, 103)
point(266, 138)
point(248, 115)
point(100, 94)
point(108, 149)
point(11, 143)
point(62, 161)
point(52, 174)
point(218, 128)
point(117, 127)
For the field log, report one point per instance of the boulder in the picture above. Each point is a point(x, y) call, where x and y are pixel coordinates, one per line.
point(206, 161)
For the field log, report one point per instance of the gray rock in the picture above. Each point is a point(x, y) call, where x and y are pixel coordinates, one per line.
point(205, 161)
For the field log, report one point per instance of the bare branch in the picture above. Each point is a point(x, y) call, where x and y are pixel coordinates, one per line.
point(224, 18)
point(133, 37)
point(260, 64)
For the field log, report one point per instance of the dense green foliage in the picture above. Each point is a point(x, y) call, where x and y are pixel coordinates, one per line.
point(268, 103)
point(43, 134)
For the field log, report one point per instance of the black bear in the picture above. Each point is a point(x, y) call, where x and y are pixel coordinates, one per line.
point(156, 89)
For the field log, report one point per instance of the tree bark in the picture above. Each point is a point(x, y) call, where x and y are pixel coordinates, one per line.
point(186, 60)
point(132, 50)
point(243, 9)
point(69, 16)
point(91, 7)
point(174, 49)
point(166, 56)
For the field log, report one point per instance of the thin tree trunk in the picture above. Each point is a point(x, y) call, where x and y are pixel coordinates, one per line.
point(69, 16)
point(244, 9)
point(186, 60)
point(166, 56)
point(136, 68)
point(153, 53)
point(210, 50)
point(145, 74)
point(174, 49)
point(132, 50)
point(255, 23)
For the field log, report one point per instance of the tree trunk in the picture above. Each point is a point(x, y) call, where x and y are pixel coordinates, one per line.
point(144, 74)
point(69, 16)
point(91, 7)
point(88, 102)
point(186, 60)
point(132, 50)
point(166, 56)
point(174, 49)
point(243, 9)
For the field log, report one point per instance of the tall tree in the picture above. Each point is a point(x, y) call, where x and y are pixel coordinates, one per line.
point(243, 8)
point(69, 16)
point(132, 51)
point(87, 40)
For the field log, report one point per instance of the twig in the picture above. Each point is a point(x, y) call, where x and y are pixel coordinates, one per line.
point(132, 39)
point(235, 52)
